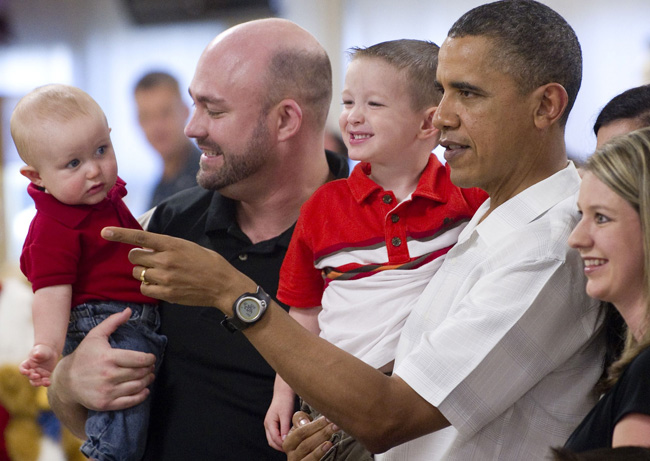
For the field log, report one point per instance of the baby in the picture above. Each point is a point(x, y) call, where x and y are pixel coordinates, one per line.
point(78, 278)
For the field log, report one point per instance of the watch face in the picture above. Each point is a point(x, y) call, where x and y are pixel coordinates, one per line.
point(248, 309)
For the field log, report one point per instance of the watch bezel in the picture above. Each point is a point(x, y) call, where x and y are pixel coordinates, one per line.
point(261, 307)
point(237, 322)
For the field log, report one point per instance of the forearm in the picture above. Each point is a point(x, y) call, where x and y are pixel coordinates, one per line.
point(632, 430)
point(318, 372)
point(307, 317)
point(340, 386)
point(281, 388)
point(70, 413)
point(378, 410)
point(51, 314)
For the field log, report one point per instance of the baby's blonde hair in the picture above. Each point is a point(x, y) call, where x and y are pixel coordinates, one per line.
point(49, 103)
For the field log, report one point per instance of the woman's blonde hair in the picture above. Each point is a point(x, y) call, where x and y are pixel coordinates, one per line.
point(623, 165)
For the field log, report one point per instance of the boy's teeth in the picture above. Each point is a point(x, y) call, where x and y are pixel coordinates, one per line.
point(360, 136)
point(594, 262)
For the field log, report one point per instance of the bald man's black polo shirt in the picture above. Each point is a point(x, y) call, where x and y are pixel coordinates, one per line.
point(213, 390)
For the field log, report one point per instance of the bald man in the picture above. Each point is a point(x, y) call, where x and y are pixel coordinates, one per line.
point(261, 93)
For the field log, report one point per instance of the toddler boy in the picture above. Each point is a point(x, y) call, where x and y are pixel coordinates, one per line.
point(364, 248)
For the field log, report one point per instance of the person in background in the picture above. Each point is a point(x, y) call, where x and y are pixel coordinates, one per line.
point(353, 274)
point(626, 112)
point(62, 135)
point(499, 357)
point(162, 115)
point(613, 238)
point(259, 120)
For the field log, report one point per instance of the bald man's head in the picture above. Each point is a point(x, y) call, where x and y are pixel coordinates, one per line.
point(286, 60)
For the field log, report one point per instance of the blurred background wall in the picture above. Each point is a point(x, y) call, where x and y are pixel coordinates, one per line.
point(103, 47)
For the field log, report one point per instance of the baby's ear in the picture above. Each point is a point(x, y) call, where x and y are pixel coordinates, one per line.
point(30, 173)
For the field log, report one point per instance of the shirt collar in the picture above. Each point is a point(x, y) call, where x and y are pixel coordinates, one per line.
point(222, 210)
point(71, 215)
point(524, 207)
point(431, 184)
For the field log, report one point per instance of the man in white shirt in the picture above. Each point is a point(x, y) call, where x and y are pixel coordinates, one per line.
point(499, 358)
point(501, 340)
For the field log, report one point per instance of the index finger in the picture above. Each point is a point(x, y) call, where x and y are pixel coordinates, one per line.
point(134, 237)
point(126, 358)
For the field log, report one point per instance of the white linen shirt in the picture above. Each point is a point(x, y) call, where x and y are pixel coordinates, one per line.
point(504, 340)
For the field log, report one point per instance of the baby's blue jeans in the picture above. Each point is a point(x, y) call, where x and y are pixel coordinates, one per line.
point(118, 435)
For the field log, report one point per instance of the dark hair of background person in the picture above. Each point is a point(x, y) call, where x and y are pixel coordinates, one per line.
point(155, 79)
point(533, 44)
point(631, 104)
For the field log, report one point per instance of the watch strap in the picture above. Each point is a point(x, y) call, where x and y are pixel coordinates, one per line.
point(233, 324)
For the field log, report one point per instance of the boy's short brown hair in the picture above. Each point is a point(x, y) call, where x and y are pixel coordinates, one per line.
point(418, 59)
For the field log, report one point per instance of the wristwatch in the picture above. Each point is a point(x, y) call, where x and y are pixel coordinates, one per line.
point(248, 309)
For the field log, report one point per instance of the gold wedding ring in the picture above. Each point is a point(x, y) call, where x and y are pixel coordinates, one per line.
point(142, 274)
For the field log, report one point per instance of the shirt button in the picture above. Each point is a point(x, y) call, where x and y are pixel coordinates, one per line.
point(243, 257)
point(396, 241)
point(394, 218)
point(387, 199)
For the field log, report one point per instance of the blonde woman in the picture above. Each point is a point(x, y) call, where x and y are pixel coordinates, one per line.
point(613, 238)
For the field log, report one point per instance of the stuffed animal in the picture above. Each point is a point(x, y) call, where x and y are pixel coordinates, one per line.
point(32, 432)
